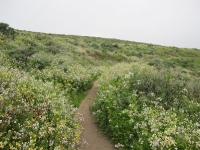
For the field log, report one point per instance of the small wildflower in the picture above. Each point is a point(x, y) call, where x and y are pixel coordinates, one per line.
point(152, 94)
point(159, 99)
point(1, 145)
point(119, 145)
point(131, 136)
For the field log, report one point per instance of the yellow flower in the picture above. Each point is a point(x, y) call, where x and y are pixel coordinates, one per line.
point(1, 145)
point(11, 146)
point(18, 144)
point(5, 142)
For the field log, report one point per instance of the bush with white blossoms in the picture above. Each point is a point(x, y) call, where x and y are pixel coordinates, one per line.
point(73, 77)
point(34, 114)
point(140, 107)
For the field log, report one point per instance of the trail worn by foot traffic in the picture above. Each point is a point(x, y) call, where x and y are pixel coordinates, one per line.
point(91, 134)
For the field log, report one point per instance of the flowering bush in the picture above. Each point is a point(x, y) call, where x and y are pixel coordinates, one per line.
point(142, 108)
point(34, 114)
point(72, 78)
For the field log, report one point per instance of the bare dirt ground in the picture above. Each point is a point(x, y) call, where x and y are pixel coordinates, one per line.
point(91, 134)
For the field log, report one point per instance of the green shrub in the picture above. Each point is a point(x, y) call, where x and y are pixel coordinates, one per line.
point(109, 47)
point(53, 48)
point(73, 78)
point(155, 62)
point(40, 61)
point(6, 30)
point(20, 57)
point(95, 45)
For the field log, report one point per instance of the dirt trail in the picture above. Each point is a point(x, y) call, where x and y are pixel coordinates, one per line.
point(91, 134)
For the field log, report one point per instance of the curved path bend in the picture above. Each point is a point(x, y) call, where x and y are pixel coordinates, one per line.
point(91, 134)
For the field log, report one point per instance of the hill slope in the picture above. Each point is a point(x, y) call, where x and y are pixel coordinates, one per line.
point(44, 77)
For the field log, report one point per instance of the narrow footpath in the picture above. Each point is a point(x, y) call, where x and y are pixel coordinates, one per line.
point(91, 134)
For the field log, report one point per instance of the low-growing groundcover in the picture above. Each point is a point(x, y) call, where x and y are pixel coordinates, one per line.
point(140, 107)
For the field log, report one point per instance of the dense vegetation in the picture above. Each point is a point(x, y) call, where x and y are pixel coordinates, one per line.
point(140, 107)
point(148, 94)
point(6, 31)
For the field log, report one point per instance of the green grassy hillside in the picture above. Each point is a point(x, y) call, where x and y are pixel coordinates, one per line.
point(44, 77)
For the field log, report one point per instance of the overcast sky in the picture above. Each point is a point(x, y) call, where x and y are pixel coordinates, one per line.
point(163, 22)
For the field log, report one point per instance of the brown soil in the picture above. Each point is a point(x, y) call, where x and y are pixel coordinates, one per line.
point(95, 140)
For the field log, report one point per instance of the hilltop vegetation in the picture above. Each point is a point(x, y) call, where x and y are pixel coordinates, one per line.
point(153, 90)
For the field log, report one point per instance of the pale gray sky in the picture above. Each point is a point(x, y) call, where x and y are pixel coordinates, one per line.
point(163, 22)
